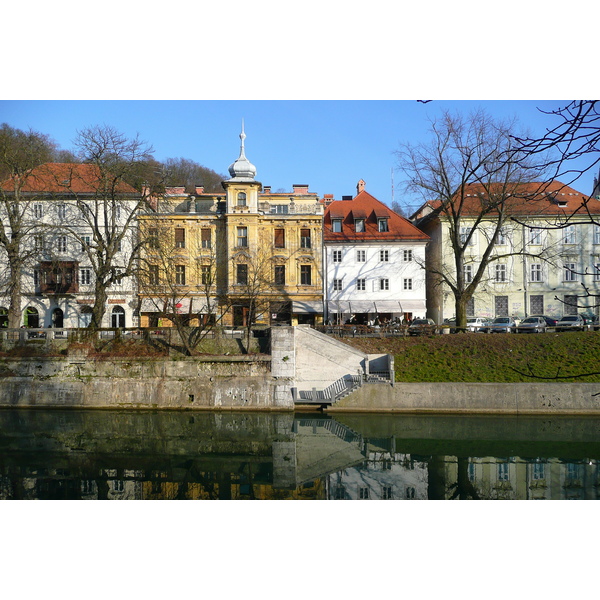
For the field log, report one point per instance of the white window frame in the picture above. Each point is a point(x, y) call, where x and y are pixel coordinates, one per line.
point(38, 210)
point(500, 273)
point(536, 273)
point(534, 237)
point(336, 225)
point(361, 285)
point(468, 273)
point(597, 272)
point(382, 225)
point(336, 256)
point(407, 283)
point(464, 235)
point(85, 276)
point(407, 255)
point(569, 272)
point(61, 210)
point(359, 225)
point(361, 256)
point(338, 285)
point(596, 234)
point(62, 244)
point(384, 256)
point(569, 235)
point(384, 284)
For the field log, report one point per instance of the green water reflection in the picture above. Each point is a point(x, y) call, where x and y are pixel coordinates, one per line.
point(182, 455)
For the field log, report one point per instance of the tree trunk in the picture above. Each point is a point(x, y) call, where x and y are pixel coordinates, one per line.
point(99, 307)
point(14, 309)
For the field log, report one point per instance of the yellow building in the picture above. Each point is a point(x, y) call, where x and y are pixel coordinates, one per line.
point(245, 256)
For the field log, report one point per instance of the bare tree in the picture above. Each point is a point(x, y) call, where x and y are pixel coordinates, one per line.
point(469, 176)
point(178, 279)
point(107, 208)
point(20, 153)
point(182, 171)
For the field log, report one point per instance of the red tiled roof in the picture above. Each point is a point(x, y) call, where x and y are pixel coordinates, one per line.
point(66, 178)
point(535, 198)
point(399, 228)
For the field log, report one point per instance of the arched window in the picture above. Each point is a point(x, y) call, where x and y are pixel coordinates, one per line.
point(241, 199)
point(32, 317)
point(3, 317)
point(117, 317)
point(57, 318)
point(85, 316)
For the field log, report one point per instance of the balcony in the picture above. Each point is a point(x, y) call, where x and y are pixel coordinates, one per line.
point(59, 277)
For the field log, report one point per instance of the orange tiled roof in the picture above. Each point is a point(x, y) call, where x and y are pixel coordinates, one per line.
point(66, 178)
point(365, 206)
point(535, 198)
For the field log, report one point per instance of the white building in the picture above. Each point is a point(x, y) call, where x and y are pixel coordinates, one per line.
point(71, 217)
point(373, 262)
point(545, 261)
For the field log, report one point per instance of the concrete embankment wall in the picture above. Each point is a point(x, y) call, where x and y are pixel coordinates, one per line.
point(507, 398)
point(234, 383)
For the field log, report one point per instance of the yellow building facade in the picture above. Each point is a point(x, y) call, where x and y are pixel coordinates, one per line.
point(246, 256)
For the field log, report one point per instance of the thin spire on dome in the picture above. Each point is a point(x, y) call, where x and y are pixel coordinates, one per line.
point(242, 168)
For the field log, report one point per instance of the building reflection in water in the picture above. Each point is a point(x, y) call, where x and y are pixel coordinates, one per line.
point(98, 455)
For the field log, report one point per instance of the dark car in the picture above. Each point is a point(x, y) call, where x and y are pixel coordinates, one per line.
point(550, 321)
point(571, 323)
point(422, 327)
point(532, 325)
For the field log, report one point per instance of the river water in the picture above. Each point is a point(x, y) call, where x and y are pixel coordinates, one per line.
point(93, 454)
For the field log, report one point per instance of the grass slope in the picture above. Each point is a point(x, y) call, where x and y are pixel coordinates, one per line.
point(495, 358)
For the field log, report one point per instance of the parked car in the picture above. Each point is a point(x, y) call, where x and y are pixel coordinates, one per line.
point(450, 323)
point(571, 323)
point(500, 325)
point(532, 325)
point(422, 327)
point(476, 323)
point(550, 321)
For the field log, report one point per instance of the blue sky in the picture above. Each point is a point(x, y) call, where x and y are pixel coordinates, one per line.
point(328, 144)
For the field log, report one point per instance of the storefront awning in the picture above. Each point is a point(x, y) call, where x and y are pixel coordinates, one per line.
point(411, 305)
point(377, 306)
point(307, 307)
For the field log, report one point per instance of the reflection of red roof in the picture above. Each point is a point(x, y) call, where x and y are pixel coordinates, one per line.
point(399, 228)
point(66, 178)
point(535, 198)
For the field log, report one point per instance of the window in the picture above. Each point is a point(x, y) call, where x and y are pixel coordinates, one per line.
point(502, 239)
point(596, 234)
point(596, 270)
point(500, 273)
point(305, 274)
point(386, 493)
point(337, 256)
point(361, 256)
point(206, 238)
point(117, 485)
point(61, 210)
point(468, 272)
point(502, 471)
point(570, 305)
point(361, 285)
point(465, 232)
point(279, 275)
point(86, 240)
point(205, 276)
point(363, 493)
point(569, 272)
point(408, 284)
point(410, 493)
point(241, 199)
point(382, 225)
point(384, 284)
point(539, 471)
point(85, 276)
point(36, 277)
point(153, 238)
point(536, 304)
point(179, 237)
point(337, 285)
point(359, 225)
point(242, 237)
point(280, 209)
point(535, 273)
point(384, 255)
point(408, 256)
point(38, 211)
point(569, 235)
point(242, 274)
point(535, 236)
point(305, 240)
point(61, 243)
point(38, 242)
point(152, 274)
point(336, 225)
point(280, 238)
point(179, 274)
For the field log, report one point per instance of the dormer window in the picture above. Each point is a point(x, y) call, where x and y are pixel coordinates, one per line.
point(359, 225)
point(382, 225)
point(241, 199)
point(336, 225)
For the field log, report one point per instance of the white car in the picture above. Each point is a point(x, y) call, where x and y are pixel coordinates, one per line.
point(476, 323)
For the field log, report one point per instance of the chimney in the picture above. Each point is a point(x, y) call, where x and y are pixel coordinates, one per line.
point(300, 188)
point(267, 189)
point(360, 186)
point(199, 189)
